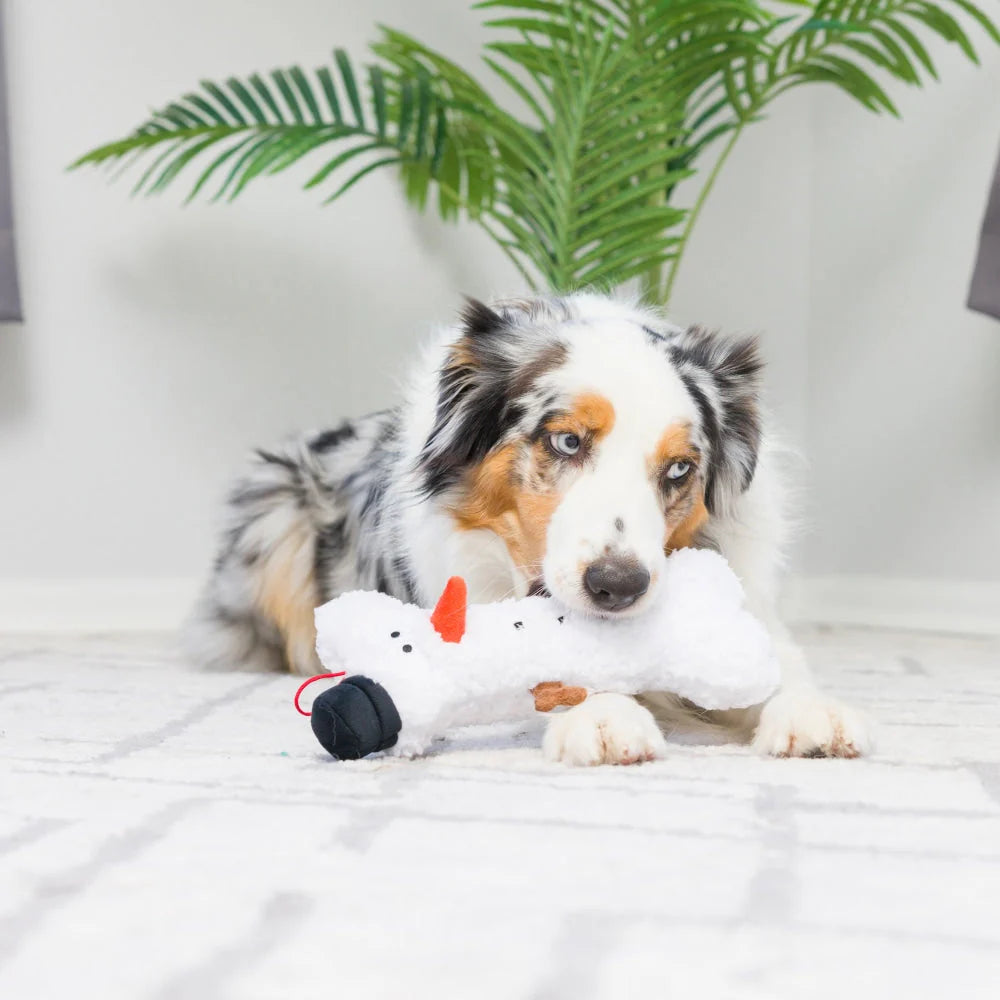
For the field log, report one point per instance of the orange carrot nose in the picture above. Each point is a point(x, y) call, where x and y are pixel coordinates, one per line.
point(448, 618)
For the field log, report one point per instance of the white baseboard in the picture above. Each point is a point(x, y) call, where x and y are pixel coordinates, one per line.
point(964, 606)
point(155, 605)
point(104, 605)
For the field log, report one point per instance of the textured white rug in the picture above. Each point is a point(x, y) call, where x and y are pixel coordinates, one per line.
point(165, 834)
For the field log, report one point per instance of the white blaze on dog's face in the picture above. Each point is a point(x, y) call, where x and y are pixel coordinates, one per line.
point(623, 468)
point(591, 443)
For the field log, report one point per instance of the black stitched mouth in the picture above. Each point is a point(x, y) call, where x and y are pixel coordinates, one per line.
point(538, 589)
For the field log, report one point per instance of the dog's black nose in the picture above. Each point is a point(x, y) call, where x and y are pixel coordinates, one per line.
point(615, 583)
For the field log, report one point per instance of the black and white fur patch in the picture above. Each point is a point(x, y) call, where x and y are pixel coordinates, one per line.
point(368, 504)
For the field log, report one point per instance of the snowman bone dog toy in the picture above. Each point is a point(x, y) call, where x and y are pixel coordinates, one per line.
point(413, 675)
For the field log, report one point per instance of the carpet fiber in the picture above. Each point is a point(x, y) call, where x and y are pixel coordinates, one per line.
point(165, 834)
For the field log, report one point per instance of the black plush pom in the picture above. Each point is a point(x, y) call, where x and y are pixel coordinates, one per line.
point(355, 718)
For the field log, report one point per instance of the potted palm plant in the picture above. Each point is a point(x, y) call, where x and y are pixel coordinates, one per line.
point(616, 102)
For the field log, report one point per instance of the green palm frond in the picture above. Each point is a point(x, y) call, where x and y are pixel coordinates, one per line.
point(617, 101)
point(849, 44)
point(233, 132)
point(841, 43)
point(581, 184)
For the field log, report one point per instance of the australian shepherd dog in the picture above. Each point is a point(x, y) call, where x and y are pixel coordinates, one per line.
point(560, 445)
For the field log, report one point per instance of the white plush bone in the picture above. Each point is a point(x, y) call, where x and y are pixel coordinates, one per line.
point(696, 640)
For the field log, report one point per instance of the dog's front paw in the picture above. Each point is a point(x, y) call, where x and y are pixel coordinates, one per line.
point(803, 722)
point(604, 729)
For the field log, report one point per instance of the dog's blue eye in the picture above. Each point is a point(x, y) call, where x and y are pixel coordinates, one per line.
point(565, 444)
point(678, 470)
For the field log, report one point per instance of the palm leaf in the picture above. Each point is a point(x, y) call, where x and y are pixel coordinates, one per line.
point(261, 126)
point(618, 100)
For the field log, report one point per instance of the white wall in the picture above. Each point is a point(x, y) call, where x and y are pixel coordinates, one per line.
point(849, 240)
point(746, 269)
point(904, 381)
point(160, 343)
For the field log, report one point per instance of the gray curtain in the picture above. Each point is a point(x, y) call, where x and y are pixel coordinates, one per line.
point(10, 299)
point(984, 292)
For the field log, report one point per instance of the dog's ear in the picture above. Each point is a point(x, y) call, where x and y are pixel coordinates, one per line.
point(723, 377)
point(485, 384)
point(474, 408)
point(479, 320)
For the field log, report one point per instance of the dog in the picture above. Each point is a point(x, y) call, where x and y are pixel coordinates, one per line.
point(562, 445)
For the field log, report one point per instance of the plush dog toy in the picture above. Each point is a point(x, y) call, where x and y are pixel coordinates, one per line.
point(463, 664)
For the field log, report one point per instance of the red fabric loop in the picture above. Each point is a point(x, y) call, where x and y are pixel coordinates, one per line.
point(305, 684)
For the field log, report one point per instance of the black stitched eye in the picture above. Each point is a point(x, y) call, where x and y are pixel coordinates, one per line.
point(407, 648)
point(560, 619)
point(518, 624)
point(393, 635)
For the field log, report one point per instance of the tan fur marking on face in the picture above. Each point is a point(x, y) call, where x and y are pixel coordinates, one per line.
point(519, 515)
point(490, 491)
point(674, 446)
point(687, 514)
point(682, 535)
point(591, 414)
point(287, 597)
